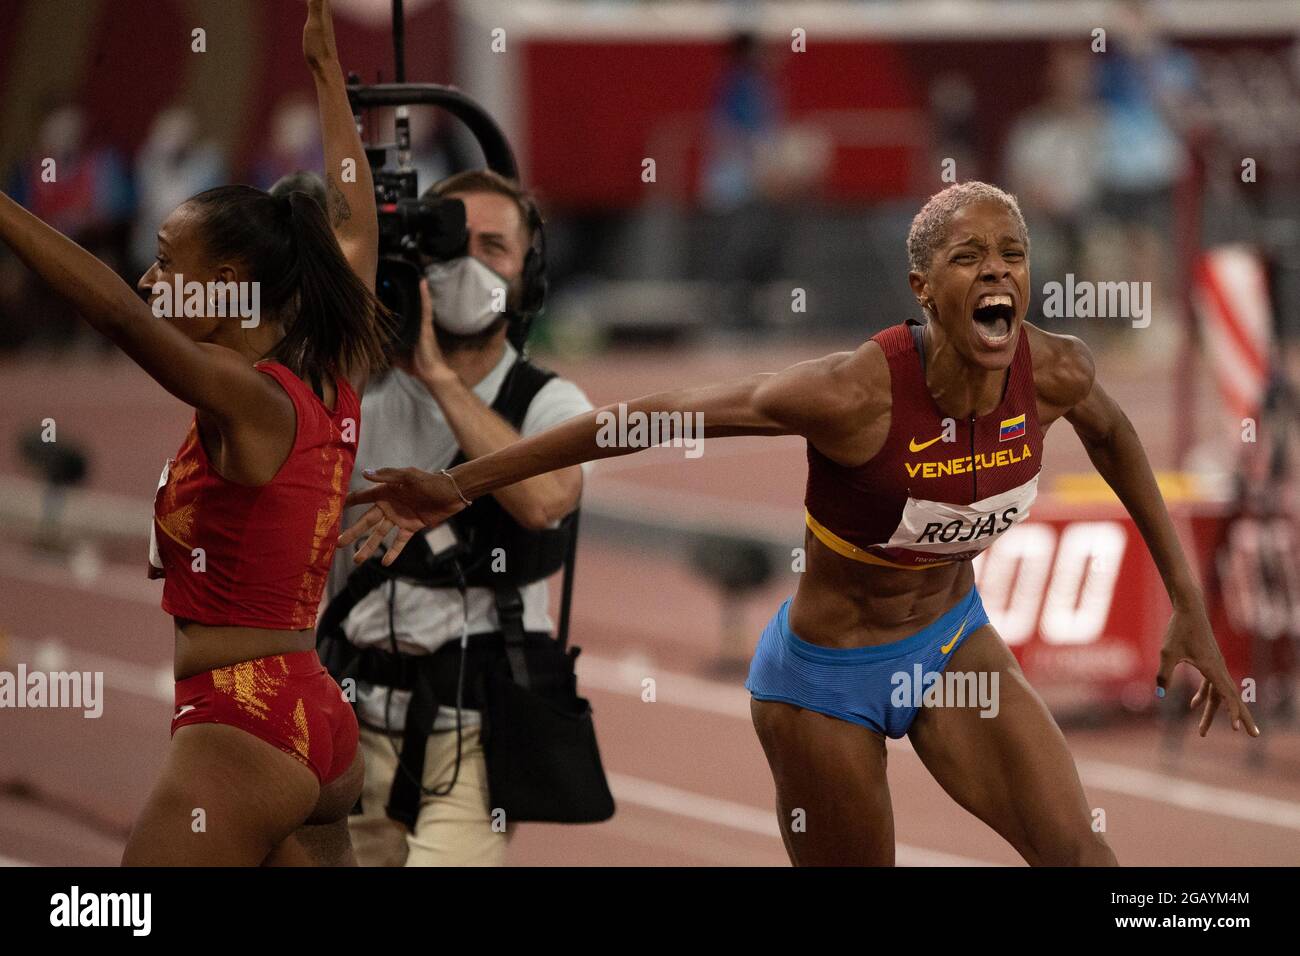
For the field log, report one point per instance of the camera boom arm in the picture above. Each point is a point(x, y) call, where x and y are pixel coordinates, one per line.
point(496, 150)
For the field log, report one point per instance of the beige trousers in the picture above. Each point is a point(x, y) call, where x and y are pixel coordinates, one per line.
point(455, 830)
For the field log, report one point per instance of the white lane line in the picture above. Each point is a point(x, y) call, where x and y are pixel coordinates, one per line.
point(652, 795)
point(112, 582)
point(1189, 794)
point(51, 654)
point(624, 676)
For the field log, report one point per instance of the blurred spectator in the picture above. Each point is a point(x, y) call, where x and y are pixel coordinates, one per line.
point(746, 115)
point(1053, 162)
point(1144, 83)
point(174, 164)
point(294, 141)
point(82, 190)
point(755, 162)
point(952, 110)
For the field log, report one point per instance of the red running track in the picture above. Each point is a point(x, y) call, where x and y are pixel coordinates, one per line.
point(690, 778)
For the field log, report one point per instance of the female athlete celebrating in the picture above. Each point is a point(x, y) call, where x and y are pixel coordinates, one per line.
point(263, 765)
point(895, 514)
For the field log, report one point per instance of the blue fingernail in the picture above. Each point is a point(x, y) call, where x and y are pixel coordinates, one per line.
point(1160, 692)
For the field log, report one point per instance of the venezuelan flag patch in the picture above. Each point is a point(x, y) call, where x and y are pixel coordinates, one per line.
point(1012, 428)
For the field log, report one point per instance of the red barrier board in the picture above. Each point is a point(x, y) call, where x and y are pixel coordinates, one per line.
point(1076, 596)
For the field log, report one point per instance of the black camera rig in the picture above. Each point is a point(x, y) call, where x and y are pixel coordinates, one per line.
point(414, 230)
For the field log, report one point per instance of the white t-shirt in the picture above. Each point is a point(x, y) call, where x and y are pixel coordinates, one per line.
point(403, 426)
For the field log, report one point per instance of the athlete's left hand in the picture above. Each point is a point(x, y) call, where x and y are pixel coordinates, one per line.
point(318, 35)
point(1189, 639)
point(407, 499)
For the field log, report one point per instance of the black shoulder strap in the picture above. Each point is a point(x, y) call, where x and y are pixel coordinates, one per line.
point(522, 383)
point(517, 392)
point(510, 613)
point(520, 387)
point(566, 589)
point(360, 582)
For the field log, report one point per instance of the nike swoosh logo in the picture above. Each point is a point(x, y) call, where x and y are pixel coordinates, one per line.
point(183, 711)
point(925, 444)
point(947, 647)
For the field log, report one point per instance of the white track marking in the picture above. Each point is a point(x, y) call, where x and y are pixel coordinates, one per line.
point(1189, 794)
point(624, 677)
point(151, 683)
point(695, 509)
point(651, 795)
point(111, 582)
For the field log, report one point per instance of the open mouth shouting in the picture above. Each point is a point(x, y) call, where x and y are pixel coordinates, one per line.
point(994, 316)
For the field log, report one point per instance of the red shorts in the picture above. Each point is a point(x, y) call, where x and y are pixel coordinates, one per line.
point(288, 700)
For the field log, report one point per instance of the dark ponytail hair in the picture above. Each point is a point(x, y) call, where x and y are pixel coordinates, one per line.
point(333, 323)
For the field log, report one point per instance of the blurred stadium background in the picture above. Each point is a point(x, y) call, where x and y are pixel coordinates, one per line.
point(792, 142)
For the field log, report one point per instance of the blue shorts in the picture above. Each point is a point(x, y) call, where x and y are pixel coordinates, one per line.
point(870, 686)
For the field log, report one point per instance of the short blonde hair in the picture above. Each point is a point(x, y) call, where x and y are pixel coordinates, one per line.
point(930, 227)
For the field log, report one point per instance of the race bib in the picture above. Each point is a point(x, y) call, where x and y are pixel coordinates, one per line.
point(155, 557)
point(937, 527)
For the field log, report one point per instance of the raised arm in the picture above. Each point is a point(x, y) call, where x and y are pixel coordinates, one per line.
point(815, 399)
point(1113, 445)
point(208, 377)
point(351, 199)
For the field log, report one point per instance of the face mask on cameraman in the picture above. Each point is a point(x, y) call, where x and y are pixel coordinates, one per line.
point(467, 295)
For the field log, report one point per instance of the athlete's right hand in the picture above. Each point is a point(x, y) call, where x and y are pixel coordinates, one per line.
point(407, 499)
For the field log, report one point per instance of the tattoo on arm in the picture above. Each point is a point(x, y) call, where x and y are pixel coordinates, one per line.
point(339, 210)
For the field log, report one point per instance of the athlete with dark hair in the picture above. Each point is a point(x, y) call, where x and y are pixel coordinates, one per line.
point(246, 516)
point(894, 516)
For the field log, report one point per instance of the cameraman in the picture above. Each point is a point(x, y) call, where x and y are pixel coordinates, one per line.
point(443, 400)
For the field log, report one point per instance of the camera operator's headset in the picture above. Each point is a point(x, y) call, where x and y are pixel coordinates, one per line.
point(500, 159)
point(535, 283)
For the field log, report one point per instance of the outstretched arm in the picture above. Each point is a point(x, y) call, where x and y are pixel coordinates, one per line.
point(350, 201)
point(208, 377)
point(1115, 450)
point(814, 399)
